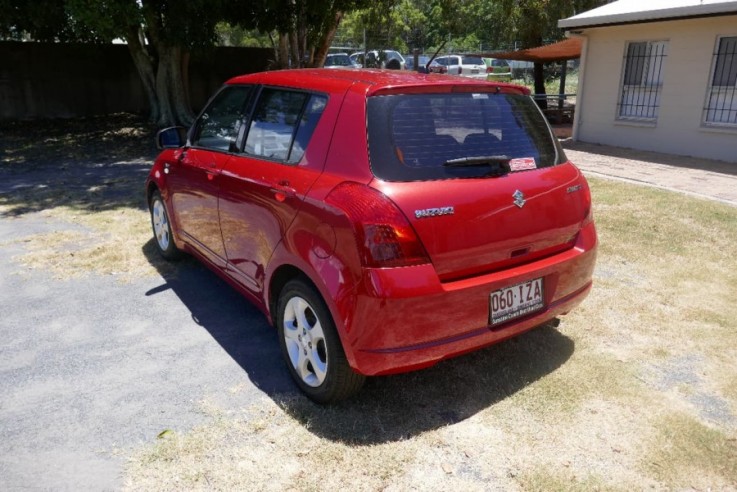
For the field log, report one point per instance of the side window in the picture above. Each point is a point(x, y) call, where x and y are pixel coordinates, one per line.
point(721, 103)
point(283, 123)
point(642, 82)
point(307, 125)
point(218, 125)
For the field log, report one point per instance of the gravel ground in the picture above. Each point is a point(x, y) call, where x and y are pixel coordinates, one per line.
point(91, 367)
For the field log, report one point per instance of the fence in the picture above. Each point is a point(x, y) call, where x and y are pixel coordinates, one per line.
point(53, 80)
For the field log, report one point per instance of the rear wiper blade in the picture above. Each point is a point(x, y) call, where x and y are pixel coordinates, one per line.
point(481, 160)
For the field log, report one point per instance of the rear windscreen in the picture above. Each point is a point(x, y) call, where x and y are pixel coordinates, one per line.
point(417, 137)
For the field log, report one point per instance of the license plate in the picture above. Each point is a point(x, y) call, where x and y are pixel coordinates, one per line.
point(515, 301)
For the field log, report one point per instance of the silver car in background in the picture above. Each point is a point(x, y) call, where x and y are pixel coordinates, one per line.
point(465, 65)
point(380, 59)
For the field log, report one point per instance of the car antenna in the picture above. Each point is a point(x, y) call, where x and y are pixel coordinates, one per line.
point(427, 66)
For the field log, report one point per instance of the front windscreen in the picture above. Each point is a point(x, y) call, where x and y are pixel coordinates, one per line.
point(417, 137)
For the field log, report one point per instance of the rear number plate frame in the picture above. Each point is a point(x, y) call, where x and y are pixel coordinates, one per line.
point(516, 301)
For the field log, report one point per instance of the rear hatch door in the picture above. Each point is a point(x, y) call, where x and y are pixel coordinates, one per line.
point(479, 175)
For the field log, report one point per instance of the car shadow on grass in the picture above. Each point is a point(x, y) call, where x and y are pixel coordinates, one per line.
point(389, 408)
point(394, 408)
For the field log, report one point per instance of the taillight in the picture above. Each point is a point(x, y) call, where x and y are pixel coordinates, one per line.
point(589, 218)
point(489, 69)
point(589, 213)
point(384, 236)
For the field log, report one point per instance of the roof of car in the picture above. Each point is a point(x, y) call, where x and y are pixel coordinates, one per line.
point(375, 80)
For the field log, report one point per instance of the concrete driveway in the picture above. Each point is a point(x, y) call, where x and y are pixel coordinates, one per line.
point(704, 178)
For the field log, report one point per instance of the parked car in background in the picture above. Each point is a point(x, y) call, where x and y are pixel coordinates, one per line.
point(467, 66)
point(497, 69)
point(339, 60)
point(436, 67)
point(410, 61)
point(380, 59)
point(382, 223)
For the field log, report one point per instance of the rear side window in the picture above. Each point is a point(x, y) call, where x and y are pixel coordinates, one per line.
point(412, 137)
point(283, 123)
point(472, 60)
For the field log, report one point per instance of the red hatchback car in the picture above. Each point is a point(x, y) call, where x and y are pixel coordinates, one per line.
point(382, 220)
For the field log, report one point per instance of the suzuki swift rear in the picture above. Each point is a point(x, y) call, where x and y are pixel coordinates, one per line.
point(402, 219)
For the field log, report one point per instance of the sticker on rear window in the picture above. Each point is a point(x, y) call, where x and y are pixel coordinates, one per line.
point(523, 164)
point(479, 96)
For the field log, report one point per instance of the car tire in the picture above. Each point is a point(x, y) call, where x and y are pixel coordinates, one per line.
point(311, 346)
point(161, 227)
point(393, 65)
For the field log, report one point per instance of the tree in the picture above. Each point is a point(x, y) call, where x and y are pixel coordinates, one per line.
point(22, 20)
point(305, 28)
point(160, 35)
point(534, 22)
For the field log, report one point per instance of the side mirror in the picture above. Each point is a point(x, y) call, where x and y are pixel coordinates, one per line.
point(171, 138)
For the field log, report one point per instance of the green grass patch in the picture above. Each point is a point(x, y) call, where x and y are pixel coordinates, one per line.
point(685, 452)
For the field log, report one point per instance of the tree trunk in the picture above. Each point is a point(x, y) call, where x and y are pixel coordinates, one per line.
point(321, 51)
point(283, 51)
point(173, 103)
point(145, 68)
point(296, 61)
point(177, 93)
point(539, 76)
point(163, 77)
point(185, 78)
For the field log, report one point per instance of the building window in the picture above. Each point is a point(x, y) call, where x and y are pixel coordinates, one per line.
point(721, 99)
point(643, 80)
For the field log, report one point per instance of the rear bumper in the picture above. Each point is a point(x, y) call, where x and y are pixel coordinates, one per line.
point(406, 319)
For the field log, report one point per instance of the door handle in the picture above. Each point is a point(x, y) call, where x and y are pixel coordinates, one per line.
point(282, 190)
point(211, 170)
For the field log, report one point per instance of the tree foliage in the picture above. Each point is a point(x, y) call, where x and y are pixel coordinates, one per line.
point(464, 25)
point(305, 28)
point(46, 20)
point(161, 34)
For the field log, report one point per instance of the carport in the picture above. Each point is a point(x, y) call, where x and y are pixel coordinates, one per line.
point(562, 51)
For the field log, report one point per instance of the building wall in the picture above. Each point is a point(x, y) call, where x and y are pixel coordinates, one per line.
point(687, 70)
point(53, 80)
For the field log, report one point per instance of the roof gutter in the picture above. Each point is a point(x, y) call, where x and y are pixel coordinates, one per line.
point(661, 15)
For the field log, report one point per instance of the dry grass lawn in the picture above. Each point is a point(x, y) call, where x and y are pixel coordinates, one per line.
point(636, 389)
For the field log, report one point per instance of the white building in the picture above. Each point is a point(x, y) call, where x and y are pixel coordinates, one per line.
point(659, 75)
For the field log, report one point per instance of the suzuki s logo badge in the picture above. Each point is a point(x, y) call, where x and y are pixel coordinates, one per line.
point(434, 212)
point(519, 198)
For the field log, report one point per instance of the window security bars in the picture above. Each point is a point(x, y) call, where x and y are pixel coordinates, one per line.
point(721, 100)
point(642, 81)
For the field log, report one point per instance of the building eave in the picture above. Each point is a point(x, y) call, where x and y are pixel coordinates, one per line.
point(586, 20)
